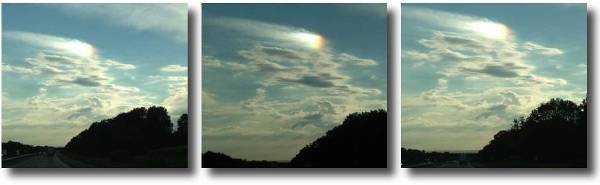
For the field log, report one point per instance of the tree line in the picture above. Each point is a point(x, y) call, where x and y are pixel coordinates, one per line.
point(360, 141)
point(136, 132)
point(555, 133)
point(12, 149)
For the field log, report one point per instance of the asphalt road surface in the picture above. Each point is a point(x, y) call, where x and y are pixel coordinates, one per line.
point(37, 161)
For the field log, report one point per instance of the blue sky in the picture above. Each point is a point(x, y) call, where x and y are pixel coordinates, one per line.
point(469, 69)
point(65, 66)
point(277, 76)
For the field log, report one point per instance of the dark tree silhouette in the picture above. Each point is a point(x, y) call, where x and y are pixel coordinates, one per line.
point(553, 134)
point(182, 130)
point(13, 148)
point(420, 157)
point(219, 160)
point(361, 141)
point(133, 133)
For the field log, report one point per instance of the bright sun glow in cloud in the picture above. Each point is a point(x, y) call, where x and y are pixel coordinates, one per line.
point(69, 45)
point(314, 41)
point(491, 30)
point(79, 48)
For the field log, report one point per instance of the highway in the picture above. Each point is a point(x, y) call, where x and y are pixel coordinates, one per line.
point(36, 161)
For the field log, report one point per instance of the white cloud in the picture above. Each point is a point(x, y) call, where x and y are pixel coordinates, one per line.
point(353, 60)
point(73, 89)
point(539, 49)
point(174, 68)
point(483, 28)
point(72, 47)
point(167, 19)
point(268, 33)
point(177, 100)
point(119, 65)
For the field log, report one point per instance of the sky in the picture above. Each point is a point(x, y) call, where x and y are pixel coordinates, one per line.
point(468, 70)
point(277, 76)
point(65, 66)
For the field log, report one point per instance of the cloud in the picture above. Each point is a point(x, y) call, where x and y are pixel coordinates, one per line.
point(309, 119)
point(72, 47)
point(539, 49)
point(166, 19)
point(497, 71)
point(492, 111)
point(72, 89)
point(118, 65)
point(177, 100)
point(272, 53)
point(322, 80)
point(269, 33)
point(504, 61)
point(174, 68)
point(482, 28)
point(353, 60)
point(84, 81)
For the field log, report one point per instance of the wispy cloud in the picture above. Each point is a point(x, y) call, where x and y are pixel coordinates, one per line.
point(54, 43)
point(166, 19)
point(479, 26)
point(270, 33)
point(174, 68)
point(537, 48)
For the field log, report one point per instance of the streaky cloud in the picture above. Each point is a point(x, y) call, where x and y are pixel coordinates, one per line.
point(71, 46)
point(169, 19)
point(287, 36)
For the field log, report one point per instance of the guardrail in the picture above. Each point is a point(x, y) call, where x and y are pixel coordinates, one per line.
point(19, 157)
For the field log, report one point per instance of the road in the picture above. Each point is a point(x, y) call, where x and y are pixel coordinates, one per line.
point(37, 161)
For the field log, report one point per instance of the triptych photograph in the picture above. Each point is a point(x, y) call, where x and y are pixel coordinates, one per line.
point(294, 85)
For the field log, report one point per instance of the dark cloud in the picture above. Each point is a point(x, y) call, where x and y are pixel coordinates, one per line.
point(316, 119)
point(312, 81)
point(81, 112)
point(313, 118)
point(497, 71)
point(322, 80)
point(493, 110)
point(272, 53)
point(269, 67)
point(457, 42)
point(84, 81)
point(57, 58)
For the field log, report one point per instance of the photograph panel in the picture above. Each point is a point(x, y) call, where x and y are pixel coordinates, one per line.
point(294, 85)
point(94, 86)
point(494, 86)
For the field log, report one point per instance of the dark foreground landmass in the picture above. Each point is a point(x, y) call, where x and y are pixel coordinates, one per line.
point(554, 135)
point(359, 142)
point(140, 138)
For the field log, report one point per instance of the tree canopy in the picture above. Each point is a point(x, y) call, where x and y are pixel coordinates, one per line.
point(553, 133)
point(360, 141)
point(132, 133)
